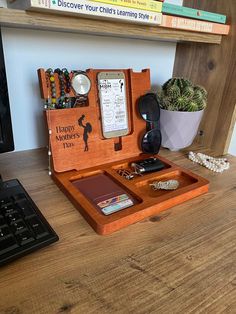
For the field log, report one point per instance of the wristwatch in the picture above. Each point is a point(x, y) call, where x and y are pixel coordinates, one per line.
point(81, 85)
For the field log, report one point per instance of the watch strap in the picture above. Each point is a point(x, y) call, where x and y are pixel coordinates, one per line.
point(80, 99)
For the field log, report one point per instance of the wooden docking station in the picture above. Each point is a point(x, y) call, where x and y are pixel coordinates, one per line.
point(74, 159)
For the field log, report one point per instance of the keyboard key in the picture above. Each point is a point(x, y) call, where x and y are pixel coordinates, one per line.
point(26, 208)
point(19, 226)
point(37, 227)
point(8, 209)
point(24, 237)
point(2, 220)
point(11, 218)
point(4, 231)
point(4, 201)
point(19, 196)
point(7, 244)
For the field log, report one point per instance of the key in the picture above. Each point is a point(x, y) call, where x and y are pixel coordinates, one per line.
point(5, 201)
point(7, 244)
point(2, 221)
point(26, 208)
point(19, 196)
point(37, 227)
point(4, 231)
point(24, 237)
point(19, 226)
point(8, 209)
point(13, 217)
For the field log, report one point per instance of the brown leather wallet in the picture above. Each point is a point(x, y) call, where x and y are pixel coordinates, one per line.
point(100, 188)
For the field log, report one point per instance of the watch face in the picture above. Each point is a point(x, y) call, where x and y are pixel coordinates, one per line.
point(81, 84)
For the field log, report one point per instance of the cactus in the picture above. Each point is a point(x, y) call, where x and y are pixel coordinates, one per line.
point(193, 106)
point(188, 91)
point(181, 103)
point(174, 91)
point(179, 94)
point(203, 105)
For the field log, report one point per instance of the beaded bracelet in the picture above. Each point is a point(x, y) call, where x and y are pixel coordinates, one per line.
point(67, 87)
point(53, 103)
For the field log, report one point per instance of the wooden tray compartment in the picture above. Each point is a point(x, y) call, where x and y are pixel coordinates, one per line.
point(127, 165)
point(149, 202)
point(88, 189)
point(183, 178)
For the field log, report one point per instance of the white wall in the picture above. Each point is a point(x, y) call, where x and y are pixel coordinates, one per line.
point(232, 146)
point(3, 3)
point(27, 50)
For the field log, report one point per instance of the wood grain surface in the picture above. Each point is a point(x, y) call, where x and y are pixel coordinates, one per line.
point(180, 261)
point(213, 67)
point(72, 24)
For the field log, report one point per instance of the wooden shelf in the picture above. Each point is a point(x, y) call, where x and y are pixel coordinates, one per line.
point(72, 24)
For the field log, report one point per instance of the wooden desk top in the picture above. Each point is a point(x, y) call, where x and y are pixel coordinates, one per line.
point(181, 261)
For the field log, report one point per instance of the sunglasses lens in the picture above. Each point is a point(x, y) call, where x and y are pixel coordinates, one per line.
point(151, 142)
point(149, 107)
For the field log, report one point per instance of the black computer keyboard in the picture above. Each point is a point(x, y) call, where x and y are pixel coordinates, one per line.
point(23, 228)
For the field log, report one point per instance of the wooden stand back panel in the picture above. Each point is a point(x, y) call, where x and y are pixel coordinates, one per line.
point(75, 134)
point(78, 153)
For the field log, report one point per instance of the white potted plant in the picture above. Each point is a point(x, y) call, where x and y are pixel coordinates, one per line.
point(182, 105)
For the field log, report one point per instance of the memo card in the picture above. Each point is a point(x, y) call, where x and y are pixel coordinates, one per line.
point(104, 193)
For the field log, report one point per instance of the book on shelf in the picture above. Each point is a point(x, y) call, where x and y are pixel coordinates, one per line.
point(89, 9)
point(150, 5)
point(173, 9)
point(194, 25)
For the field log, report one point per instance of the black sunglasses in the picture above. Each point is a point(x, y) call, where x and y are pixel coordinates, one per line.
point(149, 110)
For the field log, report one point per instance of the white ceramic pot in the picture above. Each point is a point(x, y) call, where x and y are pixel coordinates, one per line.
point(179, 128)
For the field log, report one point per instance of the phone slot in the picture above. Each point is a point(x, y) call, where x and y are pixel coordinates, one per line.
point(113, 101)
point(118, 144)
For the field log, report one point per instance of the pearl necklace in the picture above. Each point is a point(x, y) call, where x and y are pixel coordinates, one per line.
point(211, 163)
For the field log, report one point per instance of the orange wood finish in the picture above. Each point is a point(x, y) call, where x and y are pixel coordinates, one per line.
point(149, 202)
point(72, 162)
point(67, 136)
